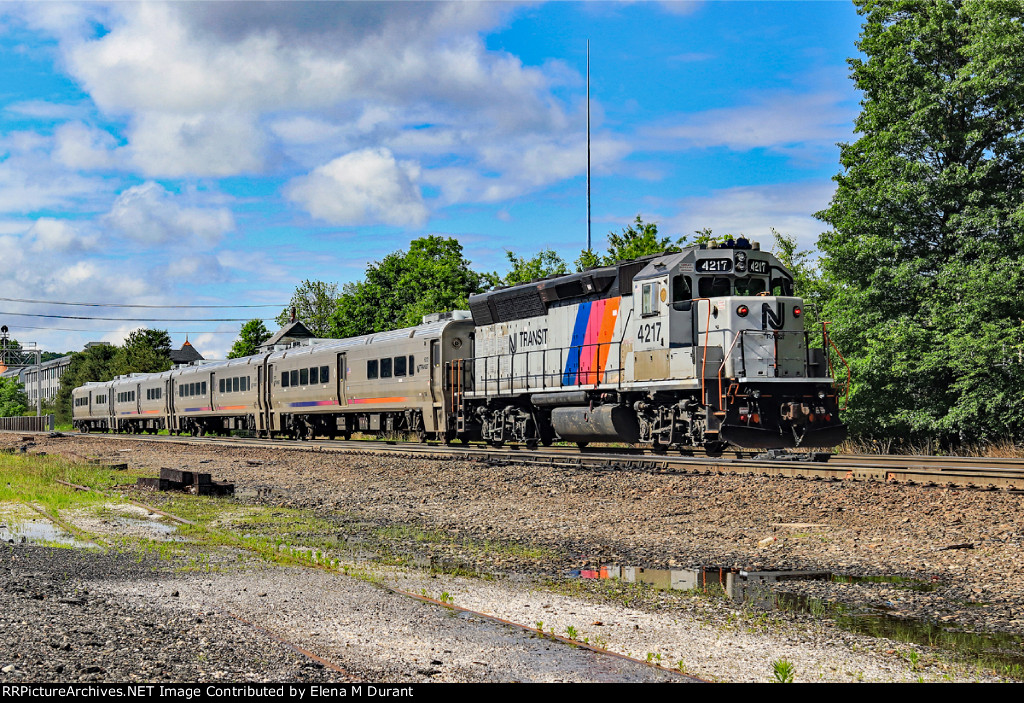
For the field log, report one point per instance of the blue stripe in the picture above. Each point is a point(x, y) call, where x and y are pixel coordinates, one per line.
point(579, 335)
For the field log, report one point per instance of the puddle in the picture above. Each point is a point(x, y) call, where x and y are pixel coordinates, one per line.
point(999, 650)
point(38, 531)
point(1002, 651)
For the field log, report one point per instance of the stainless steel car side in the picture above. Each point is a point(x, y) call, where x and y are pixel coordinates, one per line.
point(384, 382)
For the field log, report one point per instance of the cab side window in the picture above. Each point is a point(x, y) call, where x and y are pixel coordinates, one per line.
point(649, 299)
point(782, 286)
point(682, 293)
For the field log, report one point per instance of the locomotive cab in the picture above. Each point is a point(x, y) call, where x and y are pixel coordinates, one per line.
point(722, 325)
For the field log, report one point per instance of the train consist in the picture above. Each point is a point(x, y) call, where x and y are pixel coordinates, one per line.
point(701, 348)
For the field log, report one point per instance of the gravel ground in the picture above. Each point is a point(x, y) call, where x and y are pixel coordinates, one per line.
point(520, 521)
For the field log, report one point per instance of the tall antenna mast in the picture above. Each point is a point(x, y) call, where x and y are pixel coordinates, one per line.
point(588, 145)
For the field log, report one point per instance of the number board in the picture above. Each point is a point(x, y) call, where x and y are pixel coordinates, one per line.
point(758, 266)
point(714, 265)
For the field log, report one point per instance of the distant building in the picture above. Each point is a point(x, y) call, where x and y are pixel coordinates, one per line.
point(44, 380)
point(293, 333)
point(186, 355)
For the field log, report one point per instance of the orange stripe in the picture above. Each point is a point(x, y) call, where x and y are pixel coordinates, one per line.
point(357, 401)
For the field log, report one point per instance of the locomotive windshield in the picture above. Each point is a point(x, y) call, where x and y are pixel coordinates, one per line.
point(714, 286)
point(750, 286)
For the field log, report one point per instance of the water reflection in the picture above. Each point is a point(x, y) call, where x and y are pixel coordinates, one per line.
point(766, 590)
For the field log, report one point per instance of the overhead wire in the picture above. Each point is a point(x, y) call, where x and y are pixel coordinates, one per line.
point(128, 319)
point(83, 329)
point(137, 305)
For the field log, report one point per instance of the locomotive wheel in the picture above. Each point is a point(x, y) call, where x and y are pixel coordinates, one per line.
point(582, 445)
point(715, 449)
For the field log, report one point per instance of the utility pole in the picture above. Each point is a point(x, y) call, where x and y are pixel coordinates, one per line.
point(588, 145)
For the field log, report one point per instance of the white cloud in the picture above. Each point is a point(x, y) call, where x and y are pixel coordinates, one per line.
point(209, 144)
point(754, 210)
point(79, 146)
point(41, 109)
point(28, 182)
point(364, 187)
point(54, 236)
point(785, 122)
point(150, 214)
point(212, 89)
point(195, 267)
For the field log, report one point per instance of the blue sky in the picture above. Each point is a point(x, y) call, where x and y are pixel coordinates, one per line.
point(220, 153)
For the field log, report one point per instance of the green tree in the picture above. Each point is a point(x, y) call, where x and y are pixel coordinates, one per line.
point(545, 263)
point(635, 240)
point(144, 351)
point(314, 303)
point(13, 401)
point(926, 248)
point(431, 277)
point(253, 334)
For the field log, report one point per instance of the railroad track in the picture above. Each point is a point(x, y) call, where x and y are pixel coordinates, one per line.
point(959, 472)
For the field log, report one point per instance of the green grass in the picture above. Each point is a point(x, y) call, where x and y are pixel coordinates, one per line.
point(33, 479)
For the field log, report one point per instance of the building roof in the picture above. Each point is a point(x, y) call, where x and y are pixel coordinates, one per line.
point(292, 332)
point(186, 354)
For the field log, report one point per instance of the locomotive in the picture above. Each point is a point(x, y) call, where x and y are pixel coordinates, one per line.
point(705, 347)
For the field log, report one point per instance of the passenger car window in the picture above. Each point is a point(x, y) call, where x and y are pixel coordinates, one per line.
point(284, 380)
point(371, 368)
point(295, 377)
point(325, 374)
point(412, 364)
point(314, 375)
point(400, 365)
point(385, 368)
point(303, 377)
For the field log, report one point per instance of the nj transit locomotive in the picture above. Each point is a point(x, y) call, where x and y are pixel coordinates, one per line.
point(701, 348)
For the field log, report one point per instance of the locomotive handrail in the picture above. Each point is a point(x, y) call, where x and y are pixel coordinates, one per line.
point(704, 361)
point(849, 375)
point(582, 376)
point(725, 357)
